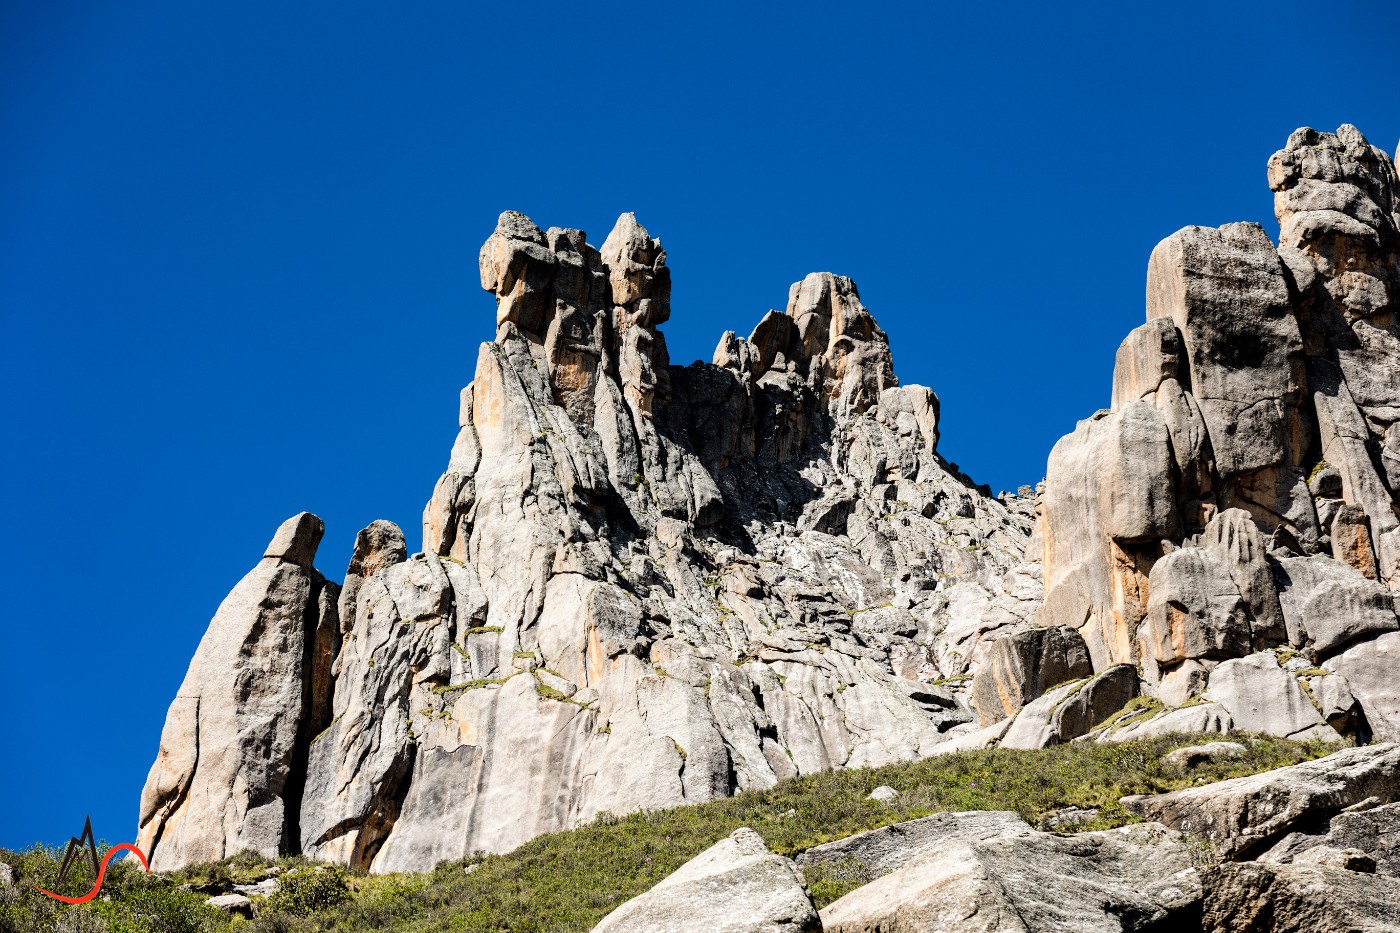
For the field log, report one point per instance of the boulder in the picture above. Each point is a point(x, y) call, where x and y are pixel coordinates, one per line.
point(1328, 604)
point(1243, 817)
point(1264, 898)
point(735, 886)
point(1022, 666)
point(873, 854)
point(1195, 610)
point(1071, 711)
point(1263, 697)
point(232, 904)
point(1193, 755)
point(1137, 878)
point(1369, 669)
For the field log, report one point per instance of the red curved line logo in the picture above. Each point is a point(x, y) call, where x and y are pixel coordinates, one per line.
point(75, 846)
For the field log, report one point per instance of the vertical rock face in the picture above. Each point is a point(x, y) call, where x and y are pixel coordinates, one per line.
point(232, 757)
point(1237, 501)
point(643, 585)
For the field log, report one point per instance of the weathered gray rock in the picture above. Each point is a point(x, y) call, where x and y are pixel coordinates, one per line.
point(1136, 878)
point(1226, 293)
point(690, 581)
point(1202, 717)
point(1263, 697)
point(1072, 710)
point(1298, 899)
point(1369, 669)
point(735, 886)
point(1195, 610)
point(873, 854)
point(232, 904)
point(1023, 666)
point(1335, 197)
point(1147, 357)
point(1234, 537)
point(1245, 816)
point(1329, 604)
point(1193, 755)
point(229, 773)
point(1108, 490)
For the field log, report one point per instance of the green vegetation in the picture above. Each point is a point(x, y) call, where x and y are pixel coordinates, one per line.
point(568, 881)
point(442, 689)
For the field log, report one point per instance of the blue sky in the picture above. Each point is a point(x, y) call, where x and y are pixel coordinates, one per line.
point(238, 257)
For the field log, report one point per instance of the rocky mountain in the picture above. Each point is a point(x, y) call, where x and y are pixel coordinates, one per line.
point(643, 585)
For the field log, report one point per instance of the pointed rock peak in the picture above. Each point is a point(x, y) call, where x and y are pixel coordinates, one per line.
point(816, 293)
point(628, 240)
point(825, 307)
point(517, 226)
point(378, 545)
point(297, 539)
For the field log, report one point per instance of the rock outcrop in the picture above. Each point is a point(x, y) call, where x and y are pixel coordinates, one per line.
point(644, 585)
point(679, 582)
point(1245, 816)
point(1230, 524)
point(1139, 878)
point(735, 886)
point(232, 763)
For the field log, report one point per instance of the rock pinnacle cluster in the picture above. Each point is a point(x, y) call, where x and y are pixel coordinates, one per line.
point(643, 585)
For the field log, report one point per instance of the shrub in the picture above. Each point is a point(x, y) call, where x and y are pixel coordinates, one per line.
point(304, 891)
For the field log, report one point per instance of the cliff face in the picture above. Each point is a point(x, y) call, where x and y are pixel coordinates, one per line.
point(1237, 506)
point(644, 585)
point(641, 585)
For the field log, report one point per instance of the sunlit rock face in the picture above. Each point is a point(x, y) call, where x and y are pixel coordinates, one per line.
point(644, 585)
point(1240, 498)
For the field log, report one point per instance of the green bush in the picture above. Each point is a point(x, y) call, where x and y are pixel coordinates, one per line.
point(305, 891)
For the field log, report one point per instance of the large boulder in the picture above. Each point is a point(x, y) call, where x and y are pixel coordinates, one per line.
point(1261, 898)
point(1243, 817)
point(1138, 878)
point(1071, 711)
point(1368, 828)
point(735, 886)
point(1263, 697)
point(1023, 666)
point(1370, 671)
point(1195, 610)
point(873, 854)
point(1329, 604)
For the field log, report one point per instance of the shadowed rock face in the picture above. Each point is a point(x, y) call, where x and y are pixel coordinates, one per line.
point(643, 585)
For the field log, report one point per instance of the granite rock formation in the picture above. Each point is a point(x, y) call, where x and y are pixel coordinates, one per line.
point(644, 585)
point(1230, 523)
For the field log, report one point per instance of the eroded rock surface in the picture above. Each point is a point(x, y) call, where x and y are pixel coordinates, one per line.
point(735, 886)
point(1239, 497)
point(1139, 878)
point(683, 582)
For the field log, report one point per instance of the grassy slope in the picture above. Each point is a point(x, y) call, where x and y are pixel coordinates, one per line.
point(568, 881)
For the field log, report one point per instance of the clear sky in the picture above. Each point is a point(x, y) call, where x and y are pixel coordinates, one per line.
point(238, 243)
